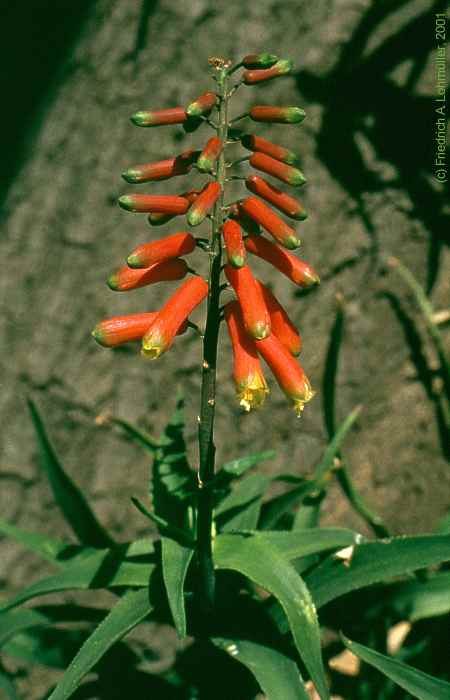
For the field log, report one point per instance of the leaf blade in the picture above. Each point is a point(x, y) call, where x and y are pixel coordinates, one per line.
point(175, 564)
point(419, 684)
point(267, 568)
point(277, 675)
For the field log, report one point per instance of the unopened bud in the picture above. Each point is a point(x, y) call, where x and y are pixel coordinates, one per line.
point(174, 115)
point(277, 115)
point(251, 77)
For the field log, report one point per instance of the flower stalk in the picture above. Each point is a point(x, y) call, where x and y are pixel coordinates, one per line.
point(207, 450)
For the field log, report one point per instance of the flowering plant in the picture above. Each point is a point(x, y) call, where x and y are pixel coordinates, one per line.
point(241, 576)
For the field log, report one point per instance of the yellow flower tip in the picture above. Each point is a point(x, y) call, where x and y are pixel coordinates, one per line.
point(152, 347)
point(299, 404)
point(253, 394)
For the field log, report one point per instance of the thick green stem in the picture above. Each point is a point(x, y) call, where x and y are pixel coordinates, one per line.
point(206, 583)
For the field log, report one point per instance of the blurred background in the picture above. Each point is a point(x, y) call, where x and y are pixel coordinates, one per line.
point(72, 74)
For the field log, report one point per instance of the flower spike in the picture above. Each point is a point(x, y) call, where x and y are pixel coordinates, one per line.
point(172, 316)
point(162, 169)
point(295, 269)
point(287, 371)
point(277, 115)
point(232, 235)
point(202, 105)
point(173, 246)
point(282, 201)
point(123, 329)
point(251, 77)
point(162, 117)
point(257, 143)
point(204, 203)
point(254, 311)
point(160, 203)
point(282, 171)
point(251, 387)
point(282, 325)
point(127, 279)
point(208, 157)
point(264, 215)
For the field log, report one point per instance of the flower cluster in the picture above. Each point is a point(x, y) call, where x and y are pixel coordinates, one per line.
point(258, 325)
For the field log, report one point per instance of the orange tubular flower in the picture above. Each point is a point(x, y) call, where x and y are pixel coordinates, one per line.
point(282, 325)
point(236, 253)
point(174, 115)
point(123, 329)
point(158, 219)
point(162, 169)
point(251, 387)
point(264, 215)
point(172, 316)
point(259, 60)
point(257, 76)
point(257, 143)
point(173, 246)
point(126, 279)
point(282, 171)
point(202, 105)
point(287, 371)
point(254, 311)
point(295, 269)
point(277, 115)
point(162, 203)
point(204, 203)
point(208, 157)
point(282, 201)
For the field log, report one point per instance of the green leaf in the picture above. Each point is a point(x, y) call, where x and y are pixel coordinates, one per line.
point(103, 569)
point(418, 684)
point(266, 567)
point(51, 647)
point(274, 509)
point(135, 433)
point(73, 505)
point(373, 562)
point(7, 685)
point(175, 564)
point(47, 547)
point(240, 509)
point(173, 481)
point(239, 466)
point(301, 543)
point(11, 623)
point(418, 600)
point(277, 675)
point(128, 612)
point(326, 464)
point(164, 527)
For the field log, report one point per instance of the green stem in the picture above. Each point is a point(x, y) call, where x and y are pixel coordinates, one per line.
point(206, 583)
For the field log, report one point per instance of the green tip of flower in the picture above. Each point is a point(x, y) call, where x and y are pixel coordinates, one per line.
point(267, 59)
point(142, 118)
point(134, 261)
point(194, 110)
point(204, 164)
point(125, 202)
point(311, 279)
point(292, 243)
point(297, 178)
point(131, 176)
point(237, 261)
point(113, 282)
point(99, 336)
point(260, 331)
point(195, 218)
point(300, 215)
point(291, 158)
point(295, 115)
point(284, 66)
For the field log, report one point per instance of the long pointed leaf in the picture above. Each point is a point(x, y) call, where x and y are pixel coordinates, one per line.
point(126, 614)
point(47, 547)
point(266, 567)
point(73, 505)
point(11, 623)
point(277, 675)
point(418, 600)
point(175, 564)
point(418, 684)
point(301, 543)
point(239, 466)
point(7, 685)
point(104, 569)
point(240, 509)
point(373, 562)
